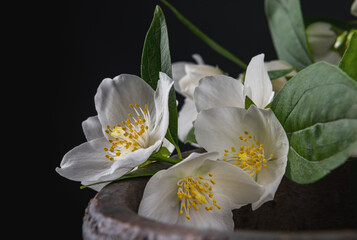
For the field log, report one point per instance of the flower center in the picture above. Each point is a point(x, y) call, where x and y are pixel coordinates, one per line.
point(250, 157)
point(196, 191)
point(130, 135)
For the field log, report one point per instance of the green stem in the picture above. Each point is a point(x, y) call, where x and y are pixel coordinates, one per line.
point(178, 152)
point(215, 46)
point(164, 159)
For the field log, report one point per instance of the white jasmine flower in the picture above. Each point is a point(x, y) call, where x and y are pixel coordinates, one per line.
point(186, 76)
point(198, 192)
point(131, 124)
point(222, 90)
point(252, 140)
point(321, 39)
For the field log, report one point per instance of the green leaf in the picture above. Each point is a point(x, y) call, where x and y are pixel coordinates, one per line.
point(159, 157)
point(318, 110)
point(275, 74)
point(173, 124)
point(287, 30)
point(156, 53)
point(348, 62)
point(156, 58)
point(248, 102)
point(268, 106)
point(215, 46)
point(191, 138)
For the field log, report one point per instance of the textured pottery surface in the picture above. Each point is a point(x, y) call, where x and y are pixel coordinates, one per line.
point(322, 210)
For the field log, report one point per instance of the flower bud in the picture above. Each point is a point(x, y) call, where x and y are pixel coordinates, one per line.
point(354, 8)
point(321, 38)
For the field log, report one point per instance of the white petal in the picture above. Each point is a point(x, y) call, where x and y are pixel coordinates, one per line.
point(264, 124)
point(193, 74)
point(275, 142)
point(202, 70)
point(257, 124)
point(168, 145)
point(257, 84)
point(134, 159)
point(92, 128)
point(159, 200)
point(186, 116)
point(114, 96)
point(217, 129)
point(270, 178)
point(189, 166)
point(219, 90)
point(234, 183)
point(277, 65)
point(354, 8)
point(178, 72)
point(221, 220)
point(161, 117)
point(85, 162)
point(124, 165)
point(199, 60)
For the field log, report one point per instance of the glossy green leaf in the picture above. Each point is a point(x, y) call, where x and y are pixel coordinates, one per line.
point(248, 102)
point(191, 138)
point(268, 106)
point(287, 30)
point(156, 58)
point(318, 110)
point(348, 62)
point(275, 74)
point(156, 53)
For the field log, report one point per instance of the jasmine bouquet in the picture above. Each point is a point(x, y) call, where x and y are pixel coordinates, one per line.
point(295, 116)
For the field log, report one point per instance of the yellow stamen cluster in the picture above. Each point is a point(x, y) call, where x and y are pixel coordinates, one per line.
point(196, 191)
point(250, 157)
point(130, 135)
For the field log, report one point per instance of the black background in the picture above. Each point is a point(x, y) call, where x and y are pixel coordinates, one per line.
point(97, 39)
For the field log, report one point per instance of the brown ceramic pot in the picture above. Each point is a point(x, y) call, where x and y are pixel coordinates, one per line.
point(322, 210)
